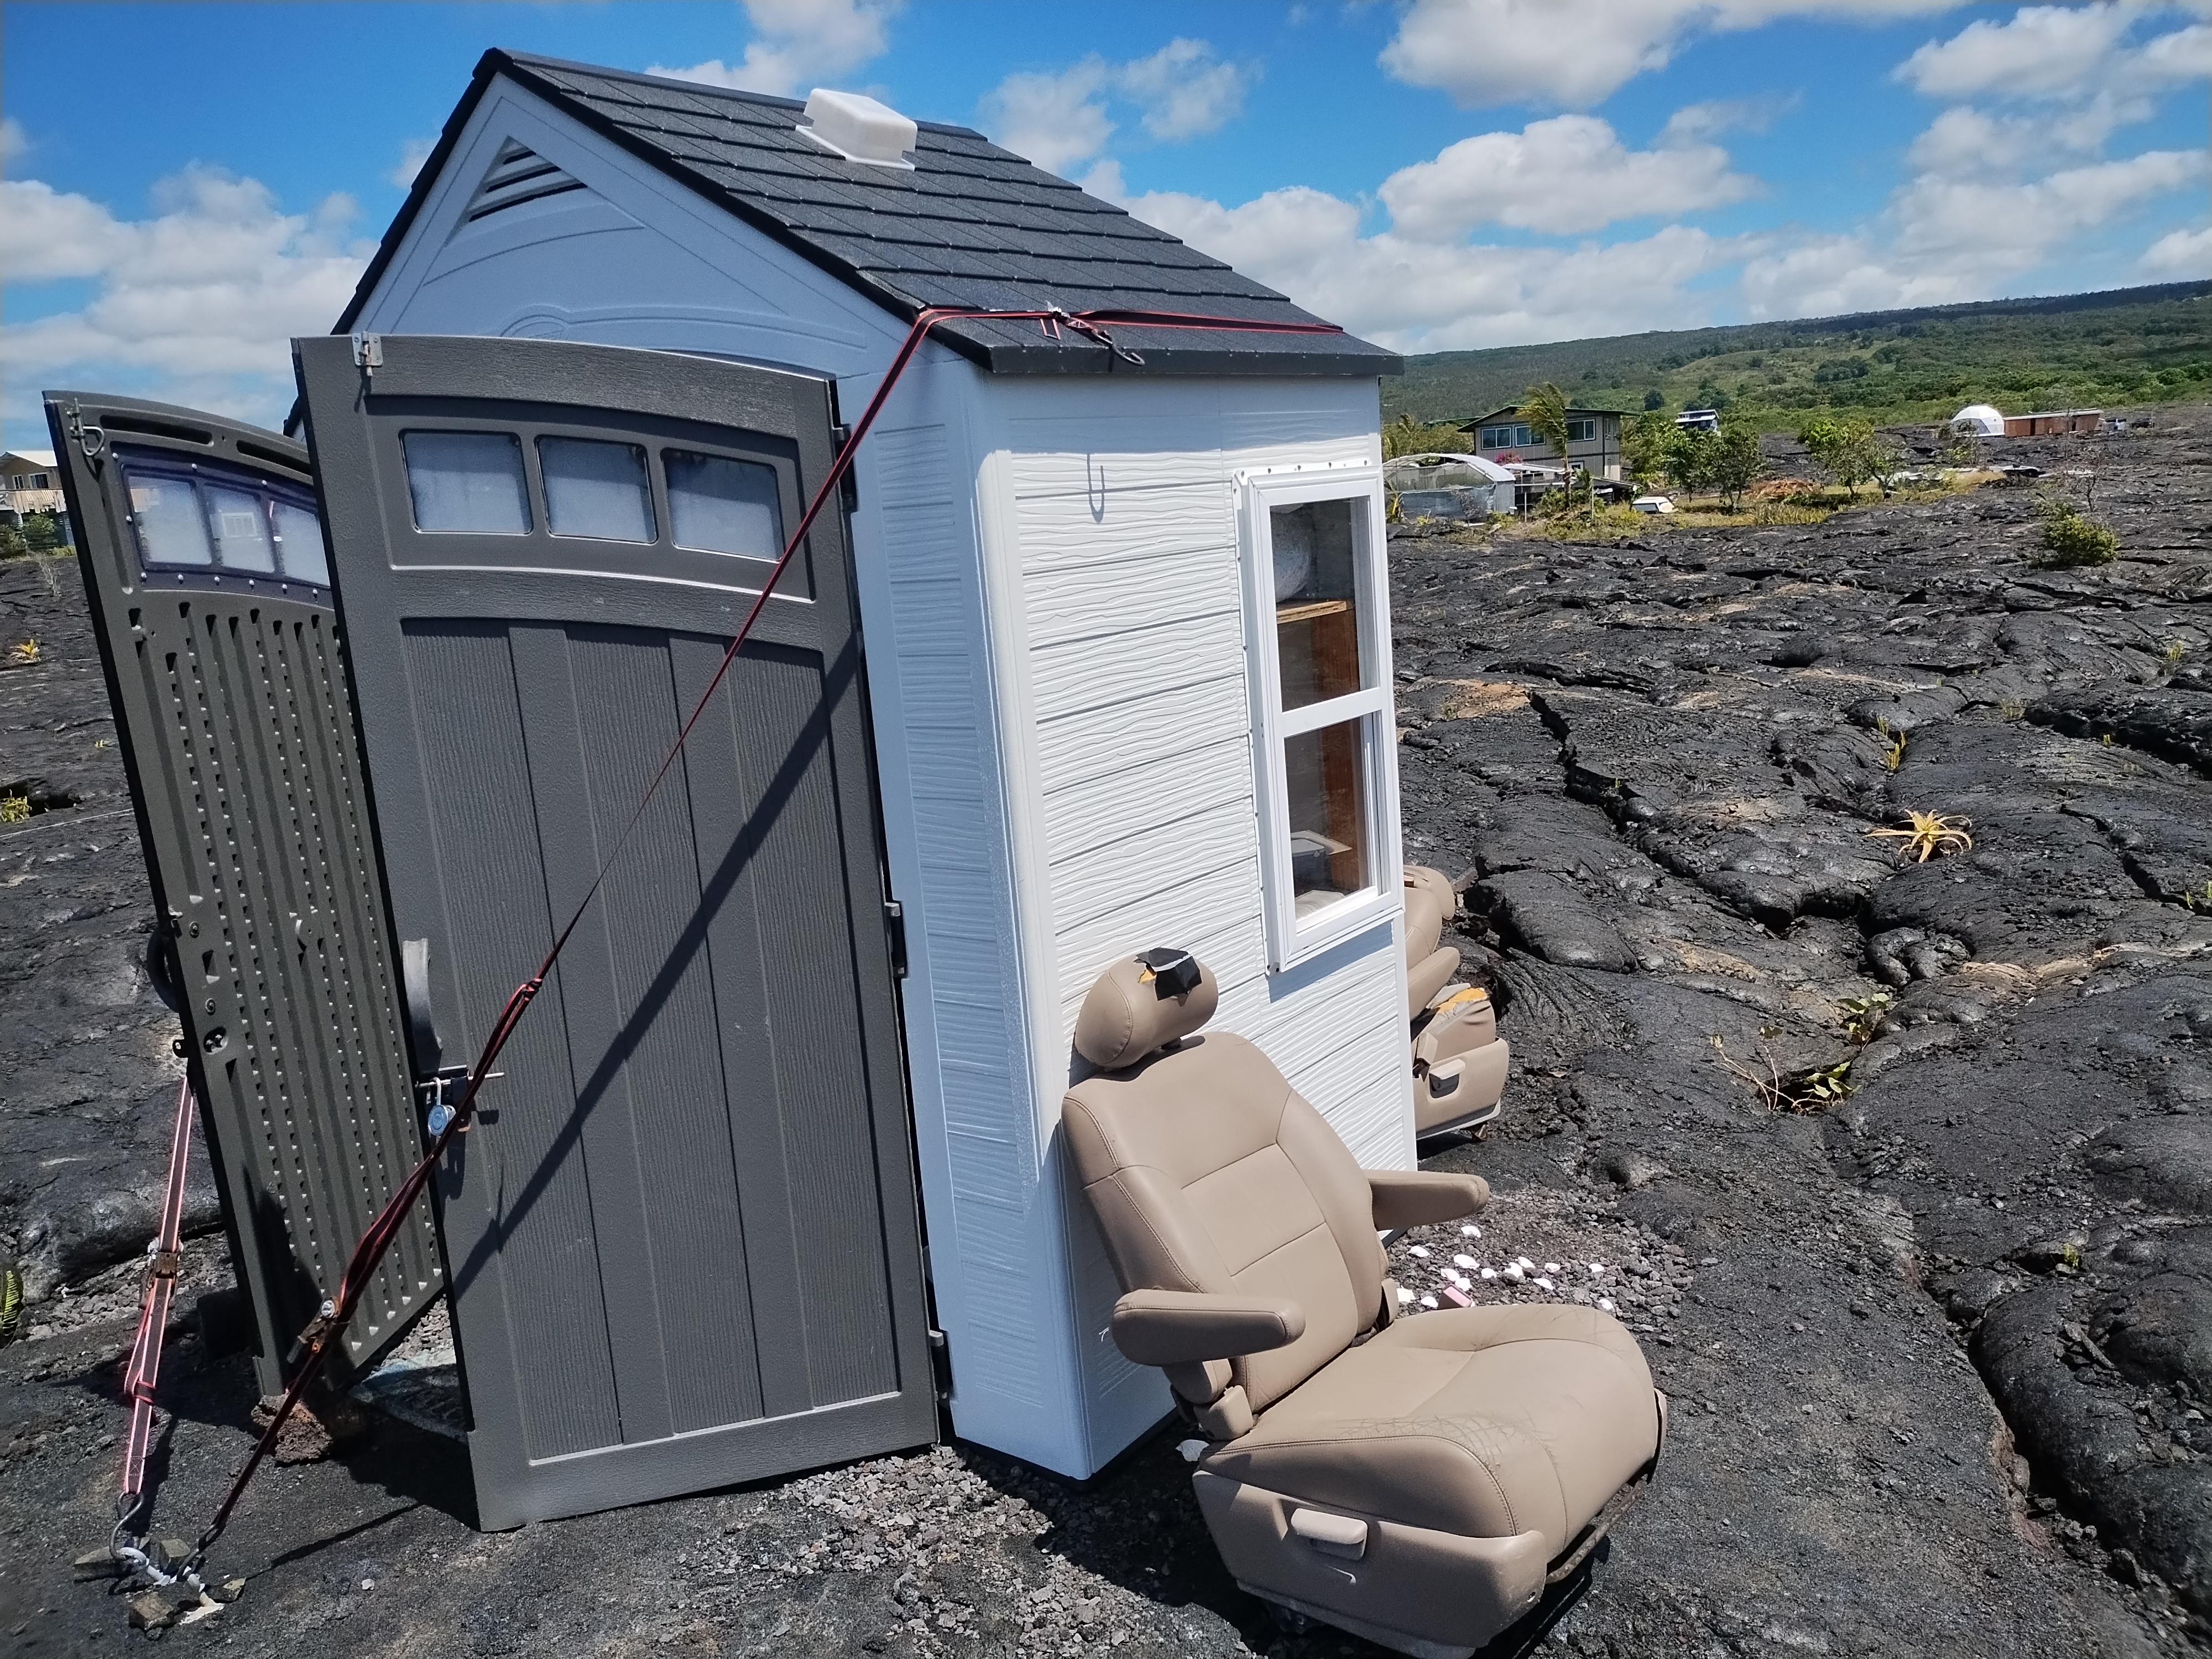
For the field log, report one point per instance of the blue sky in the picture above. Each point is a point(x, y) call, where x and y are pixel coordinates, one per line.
point(188, 186)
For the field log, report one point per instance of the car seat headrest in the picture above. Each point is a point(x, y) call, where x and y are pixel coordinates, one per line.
point(1143, 1003)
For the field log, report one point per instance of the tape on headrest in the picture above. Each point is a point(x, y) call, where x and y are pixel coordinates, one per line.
point(1139, 1004)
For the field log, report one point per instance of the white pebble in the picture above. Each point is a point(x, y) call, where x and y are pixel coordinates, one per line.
point(1466, 1261)
point(1490, 1273)
point(1525, 1264)
point(1545, 1283)
point(1605, 1302)
point(1597, 1270)
point(1192, 1450)
point(1551, 1266)
point(1404, 1296)
point(1420, 1250)
point(1428, 1302)
point(1471, 1230)
point(1513, 1272)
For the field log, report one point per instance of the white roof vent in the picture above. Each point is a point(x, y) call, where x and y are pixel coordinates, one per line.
point(855, 126)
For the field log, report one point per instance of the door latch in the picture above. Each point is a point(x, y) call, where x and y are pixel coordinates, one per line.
point(90, 437)
point(367, 353)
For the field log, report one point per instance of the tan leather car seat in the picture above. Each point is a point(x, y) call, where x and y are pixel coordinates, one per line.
point(1416, 1480)
point(1459, 1063)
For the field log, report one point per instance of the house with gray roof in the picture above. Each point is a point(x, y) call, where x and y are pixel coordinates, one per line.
point(1122, 606)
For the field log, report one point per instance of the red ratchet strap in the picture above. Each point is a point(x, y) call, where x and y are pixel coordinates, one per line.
point(338, 1309)
point(145, 1366)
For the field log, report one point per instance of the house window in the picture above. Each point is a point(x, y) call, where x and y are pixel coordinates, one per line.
point(1582, 432)
point(1504, 437)
point(1322, 708)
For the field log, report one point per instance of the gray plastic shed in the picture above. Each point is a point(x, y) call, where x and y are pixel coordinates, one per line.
point(1096, 659)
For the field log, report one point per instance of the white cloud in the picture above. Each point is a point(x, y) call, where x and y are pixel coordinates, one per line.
point(412, 154)
point(12, 141)
point(1964, 140)
point(2063, 53)
point(1055, 120)
point(1184, 90)
point(1058, 119)
point(2181, 253)
point(1579, 52)
point(1426, 296)
point(1701, 123)
point(197, 305)
point(1563, 175)
point(1965, 238)
point(798, 45)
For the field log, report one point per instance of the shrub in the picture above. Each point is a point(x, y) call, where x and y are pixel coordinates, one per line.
point(2071, 539)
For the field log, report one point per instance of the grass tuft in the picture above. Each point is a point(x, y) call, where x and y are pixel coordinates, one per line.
point(1924, 836)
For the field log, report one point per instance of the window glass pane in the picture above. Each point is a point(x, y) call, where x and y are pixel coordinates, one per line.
point(717, 505)
point(171, 527)
point(467, 480)
point(1327, 774)
point(1318, 599)
point(596, 489)
point(242, 530)
point(299, 540)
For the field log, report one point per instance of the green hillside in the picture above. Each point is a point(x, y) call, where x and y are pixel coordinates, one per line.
point(2128, 346)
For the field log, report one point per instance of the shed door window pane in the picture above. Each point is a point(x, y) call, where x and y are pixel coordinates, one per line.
point(172, 530)
point(467, 481)
point(241, 531)
point(1326, 775)
point(716, 505)
point(1317, 604)
point(597, 490)
point(299, 542)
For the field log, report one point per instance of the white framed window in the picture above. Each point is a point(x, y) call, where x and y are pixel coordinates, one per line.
point(1323, 719)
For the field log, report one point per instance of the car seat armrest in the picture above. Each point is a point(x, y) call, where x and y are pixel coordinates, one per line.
point(1408, 1198)
point(1176, 1327)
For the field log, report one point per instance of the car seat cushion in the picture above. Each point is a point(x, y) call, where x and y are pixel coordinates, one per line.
point(1484, 1422)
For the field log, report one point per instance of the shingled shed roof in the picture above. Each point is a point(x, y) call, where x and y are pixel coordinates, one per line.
point(970, 225)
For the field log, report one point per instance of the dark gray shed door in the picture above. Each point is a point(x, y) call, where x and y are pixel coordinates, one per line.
point(203, 563)
point(683, 1235)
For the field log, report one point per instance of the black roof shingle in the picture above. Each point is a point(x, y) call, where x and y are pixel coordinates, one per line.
point(971, 225)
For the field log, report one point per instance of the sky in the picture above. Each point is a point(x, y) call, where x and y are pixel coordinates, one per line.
point(184, 187)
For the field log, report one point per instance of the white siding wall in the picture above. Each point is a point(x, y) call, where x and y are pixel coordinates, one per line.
point(1110, 513)
point(1061, 726)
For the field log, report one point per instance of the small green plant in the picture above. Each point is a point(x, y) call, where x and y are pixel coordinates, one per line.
point(1893, 756)
point(2013, 711)
point(2174, 652)
point(14, 809)
point(2071, 539)
point(1863, 1016)
point(1811, 1090)
point(1805, 1091)
point(24, 654)
point(2198, 898)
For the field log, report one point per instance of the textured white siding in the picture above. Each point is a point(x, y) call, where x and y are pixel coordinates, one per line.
point(1111, 525)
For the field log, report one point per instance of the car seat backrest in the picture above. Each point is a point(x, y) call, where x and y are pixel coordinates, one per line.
point(1208, 1172)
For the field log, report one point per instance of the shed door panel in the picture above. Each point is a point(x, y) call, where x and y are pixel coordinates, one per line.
point(682, 1234)
point(204, 568)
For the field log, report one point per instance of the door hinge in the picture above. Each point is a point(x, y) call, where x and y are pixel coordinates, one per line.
point(849, 487)
point(895, 919)
point(367, 353)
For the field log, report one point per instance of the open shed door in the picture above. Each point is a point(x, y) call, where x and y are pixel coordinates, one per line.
point(682, 1234)
point(204, 566)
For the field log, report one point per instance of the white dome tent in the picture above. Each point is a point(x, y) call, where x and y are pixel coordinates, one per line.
point(1978, 420)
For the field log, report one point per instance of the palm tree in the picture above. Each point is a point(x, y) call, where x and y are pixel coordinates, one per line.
point(1544, 408)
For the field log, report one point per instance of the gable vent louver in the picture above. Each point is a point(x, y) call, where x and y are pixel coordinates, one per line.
point(516, 176)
